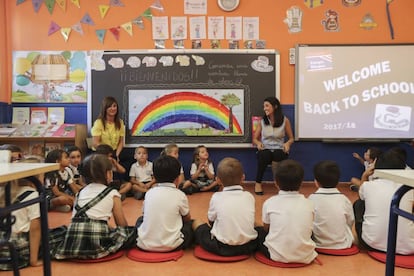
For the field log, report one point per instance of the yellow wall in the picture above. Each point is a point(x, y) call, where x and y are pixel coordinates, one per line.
point(28, 30)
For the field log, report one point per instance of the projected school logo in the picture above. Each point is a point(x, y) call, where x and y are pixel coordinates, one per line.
point(392, 117)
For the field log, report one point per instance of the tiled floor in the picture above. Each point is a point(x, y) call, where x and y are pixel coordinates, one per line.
point(360, 264)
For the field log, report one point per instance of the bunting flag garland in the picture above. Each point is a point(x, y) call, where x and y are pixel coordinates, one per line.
point(78, 28)
point(86, 19)
point(50, 4)
point(101, 35)
point(36, 5)
point(127, 27)
point(388, 2)
point(65, 33)
point(115, 32)
point(147, 14)
point(61, 4)
point(53, 28)
point(76, 3)
point(103, 10)
point(116, 3)
point(139, 22)
point(18, 2)
point(157, 5)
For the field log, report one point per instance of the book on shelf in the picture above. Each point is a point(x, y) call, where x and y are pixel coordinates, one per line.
point(65, 130)
point(255, 122)
point(55, 115)
point(6, 131)
point(26, 130)
point(38, 115)
point(21, 115)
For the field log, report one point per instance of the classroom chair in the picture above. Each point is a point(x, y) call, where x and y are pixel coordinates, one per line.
point(203, 254)
point(138, 255)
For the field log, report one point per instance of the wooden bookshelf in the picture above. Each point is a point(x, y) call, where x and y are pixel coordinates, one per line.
point(76, 135)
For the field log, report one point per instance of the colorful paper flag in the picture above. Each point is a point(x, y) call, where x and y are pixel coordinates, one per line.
point(18, 2)
point(53, 28)
point(115, 32)
point(76, 3)
point(50, 4)
point(65, 33)
point(103, 9)
point(127, 27)
point(147, 14)
point(101, 35)
point(36, 5)
point(116, 3)
point(157, 5)
point(86, 19)
point(62, 4)
point(78, 28)
point(139, 22)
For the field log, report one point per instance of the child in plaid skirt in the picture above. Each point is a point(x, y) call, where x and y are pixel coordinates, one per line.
point(88, 235)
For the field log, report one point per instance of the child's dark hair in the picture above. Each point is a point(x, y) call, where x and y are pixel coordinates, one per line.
point(54, 156)
point(166, 169)
point(327, 173)
point(289, 175)
point(390, 159)
point(402, 152)
point(374, 152)
point(196, 153)
point(104, 149)
point(95, 167)
point(11, 147)
point(73, 148)
point(277, 113)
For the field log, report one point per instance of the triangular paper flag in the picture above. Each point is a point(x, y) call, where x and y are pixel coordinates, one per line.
point(36, 4)
point(103, 9)
point(157, 5)
point(61, 4)
point(127, 27)
point(147, 13)
point(76, 3)
point(101, 35)
point(87, 20)
point(139, 22)
point(53, 28)
point(116, 3)
point(18, 2)
point(50, 4)
point(115, 32)
point(78, 28)
point(65, 33)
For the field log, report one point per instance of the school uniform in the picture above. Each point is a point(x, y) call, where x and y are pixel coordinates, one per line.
point(88, 235)
point(202, 179)
point(377, 195)
point(142, 173)
point(334, 218)
point(233, 232)
point(20, 229)
point(161, 227)
point(290, 216)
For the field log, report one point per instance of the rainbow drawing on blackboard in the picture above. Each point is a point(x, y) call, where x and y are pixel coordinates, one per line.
point(205, 112)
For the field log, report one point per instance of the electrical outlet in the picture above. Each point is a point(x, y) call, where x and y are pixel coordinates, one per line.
point(292, 56)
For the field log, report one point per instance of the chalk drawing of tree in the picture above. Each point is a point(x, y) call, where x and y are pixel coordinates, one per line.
point(230, 100)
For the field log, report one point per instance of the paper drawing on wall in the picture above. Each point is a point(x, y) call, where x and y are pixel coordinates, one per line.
point(202, 112)
point(49, 76)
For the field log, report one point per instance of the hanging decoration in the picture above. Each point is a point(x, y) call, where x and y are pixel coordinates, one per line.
point(36, 5)
point(388, 2)
point(351, 3)
point(294, 19)
point(115, 32)
point(103, 10)
point(157, 5)
point(331, 22)
point(313, 3)
point(53, 28)
point(101, 35)
point(127, 27)
point(147, 14)
point(65, 33)
point(116, 3)
point(368, 22)
point(139, 22)
point(50, 4)
point(76, 3)
point(61, 4)
point(78, 28)
point(18, 2)
point(86, 19)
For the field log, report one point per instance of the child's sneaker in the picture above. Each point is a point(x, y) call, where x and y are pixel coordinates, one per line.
point(63, 208)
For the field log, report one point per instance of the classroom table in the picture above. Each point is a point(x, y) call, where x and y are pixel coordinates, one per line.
point(13, 171)
point(405, 177)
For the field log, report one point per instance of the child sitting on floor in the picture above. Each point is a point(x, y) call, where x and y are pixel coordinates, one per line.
point(288, 219)
point(166, 223)
point(334, 217)
point(141, 175)
point(231, 215)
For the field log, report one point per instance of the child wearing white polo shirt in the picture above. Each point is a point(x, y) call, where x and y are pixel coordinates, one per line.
point(334, 216)
point(140, 174)
point(288, 219)
point(231, 215)
point(166, 223)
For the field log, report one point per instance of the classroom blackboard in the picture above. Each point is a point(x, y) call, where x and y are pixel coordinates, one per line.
point(186, 96)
